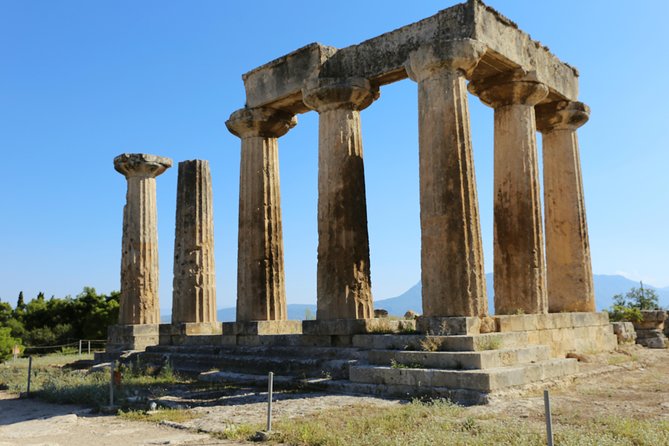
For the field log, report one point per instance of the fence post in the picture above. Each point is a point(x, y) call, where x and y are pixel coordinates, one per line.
point(111, 384)
point(89, 347)
point(270, 388)
point(30, 372)
point(549, 419)
point(80, 348)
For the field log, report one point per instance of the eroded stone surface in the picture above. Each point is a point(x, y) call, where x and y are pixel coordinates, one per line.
point(139, 259)
point(194, 288)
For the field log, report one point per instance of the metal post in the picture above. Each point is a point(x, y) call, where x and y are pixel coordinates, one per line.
point(30, 372)
point(89, 347)
point(549, 419)
point(111, 384)
point(80, 348)
point(270, 389)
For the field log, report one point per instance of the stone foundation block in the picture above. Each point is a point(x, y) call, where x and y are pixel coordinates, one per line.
point(444, 326)
point(255, 328)
point(350, 327)
point(132, 337)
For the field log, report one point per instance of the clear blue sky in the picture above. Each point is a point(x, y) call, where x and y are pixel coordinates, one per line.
point(83, 81)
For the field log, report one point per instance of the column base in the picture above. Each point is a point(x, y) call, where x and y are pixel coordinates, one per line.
point(131, 337)
point(255, 328)
point(349, 327)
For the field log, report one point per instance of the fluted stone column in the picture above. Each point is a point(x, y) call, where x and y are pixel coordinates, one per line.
point(453, 279)
point(343, 274)
point(261, 289)
point(569, 268)
point(139, 260)
point(519, 265)
point(194, 286)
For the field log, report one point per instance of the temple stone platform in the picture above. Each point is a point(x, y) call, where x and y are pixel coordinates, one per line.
point(392, 358)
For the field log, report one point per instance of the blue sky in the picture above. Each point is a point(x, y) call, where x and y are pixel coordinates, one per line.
point(83, 81)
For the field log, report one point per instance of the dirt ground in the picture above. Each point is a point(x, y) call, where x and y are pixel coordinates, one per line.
point(634, 383)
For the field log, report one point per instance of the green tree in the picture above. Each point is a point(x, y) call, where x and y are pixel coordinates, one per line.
point(7, 343)
point(20, 306)
point(640, 298)
point(5, 313)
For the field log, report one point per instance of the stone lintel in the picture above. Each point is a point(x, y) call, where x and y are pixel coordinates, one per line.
point(381, 59)
point(349, 327)
point(131, 337)
point(280, 81)
point(260, 328)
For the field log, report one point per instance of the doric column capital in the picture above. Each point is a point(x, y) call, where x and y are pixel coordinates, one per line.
point(518, 87)
point(141, 165)
point(260, 121)
point(427, 61)
point(323, 94)
point(561, 115)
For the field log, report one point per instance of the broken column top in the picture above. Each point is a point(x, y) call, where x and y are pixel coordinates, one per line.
point(381, 59)
point(141, 164)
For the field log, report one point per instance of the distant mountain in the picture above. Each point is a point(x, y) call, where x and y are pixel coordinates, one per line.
point(606, 286)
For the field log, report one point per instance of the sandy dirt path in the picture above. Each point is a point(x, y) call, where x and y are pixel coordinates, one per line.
point(35, 423)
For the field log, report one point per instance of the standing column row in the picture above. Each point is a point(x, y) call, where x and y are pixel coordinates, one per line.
point(343, 275)
point(570, 284)
point(519, 265)
point(453, 279)
point(139, 259)
point(261, 290)
point(194, 285)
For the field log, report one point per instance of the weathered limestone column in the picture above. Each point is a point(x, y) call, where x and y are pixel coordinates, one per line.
point(343, 276)
point(139, 260)
point(452, 275)
point(261, 289)
point(569, 268)
point(194, 286)
point(519, 265)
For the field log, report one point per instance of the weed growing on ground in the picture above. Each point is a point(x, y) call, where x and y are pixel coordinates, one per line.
point(157, 416)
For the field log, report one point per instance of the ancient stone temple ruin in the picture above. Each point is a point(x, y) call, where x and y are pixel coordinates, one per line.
point(544, 300)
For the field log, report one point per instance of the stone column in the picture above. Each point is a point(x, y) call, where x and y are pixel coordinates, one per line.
point(139, 260)
point(519, 265)
point(261, 289)
point(453, 279)
point(194, 286)
point(569, 269)
point(343, 276)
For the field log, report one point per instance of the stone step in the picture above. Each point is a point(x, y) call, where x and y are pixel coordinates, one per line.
point(462, 343)
point(264, 350)
point(487, 359)
point(464, 397)
point(480, 380)
point(232, 362)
